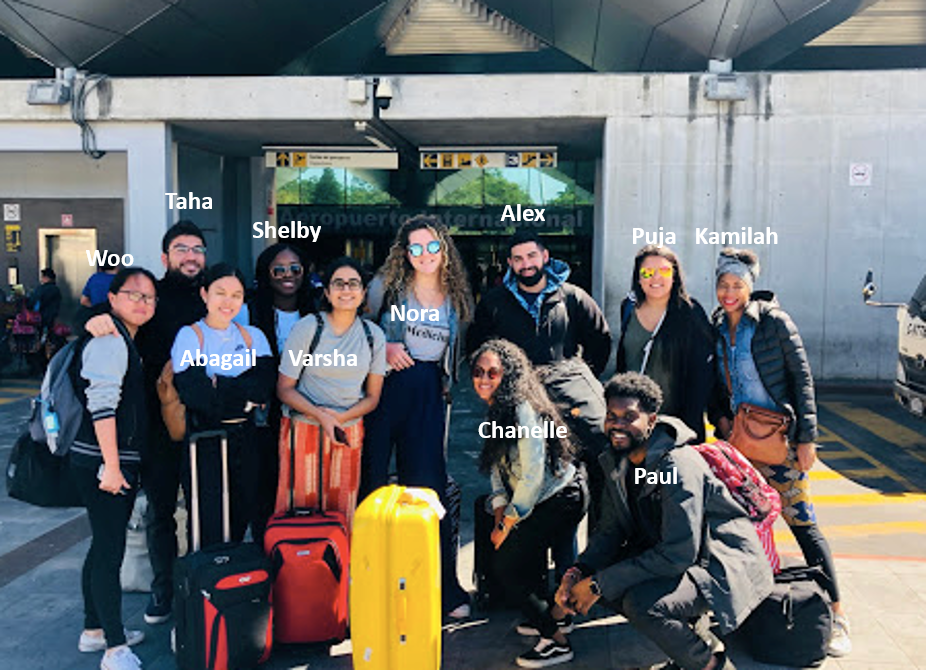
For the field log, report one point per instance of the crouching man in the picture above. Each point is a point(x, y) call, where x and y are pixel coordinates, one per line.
point(672, 543)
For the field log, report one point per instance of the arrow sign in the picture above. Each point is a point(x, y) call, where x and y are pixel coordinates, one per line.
point(429, 161)
point(282, 159)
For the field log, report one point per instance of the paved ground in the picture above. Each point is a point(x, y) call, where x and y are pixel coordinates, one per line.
point(869, 490)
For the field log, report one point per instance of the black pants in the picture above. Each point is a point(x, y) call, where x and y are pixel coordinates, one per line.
point(244, 480)
point(816, 551)
point(662, 610)
point(109, 516)
point(267, 442)
point(161, 481)
point(551, 522)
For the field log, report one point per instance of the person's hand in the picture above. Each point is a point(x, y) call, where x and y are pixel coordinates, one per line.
point(113, 481)
point(329, 424)
point(563, 595)
point(582, 596)
point(397, 356)
point(501, 530)
point(100, 325)
point(806, 456)
point(724, 428)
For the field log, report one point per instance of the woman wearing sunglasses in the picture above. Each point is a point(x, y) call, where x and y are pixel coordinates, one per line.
point(328, 394)
point(537, 497)
point(223, 372)
point(284, 295)
point(665, 334)
point(104, 461)
point(422, 272)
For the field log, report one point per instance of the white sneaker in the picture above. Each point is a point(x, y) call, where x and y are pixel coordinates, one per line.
point(121, 658)
point(460, 612)
point(840, 644)
point(89, 643)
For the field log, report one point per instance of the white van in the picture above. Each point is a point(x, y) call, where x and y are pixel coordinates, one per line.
point(910, 384)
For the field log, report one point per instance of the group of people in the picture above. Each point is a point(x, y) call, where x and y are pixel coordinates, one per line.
point(536, 344)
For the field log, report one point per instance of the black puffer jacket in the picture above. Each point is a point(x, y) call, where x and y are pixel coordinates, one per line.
point(781, 360)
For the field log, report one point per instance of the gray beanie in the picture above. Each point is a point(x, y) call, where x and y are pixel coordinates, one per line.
point(748, 272)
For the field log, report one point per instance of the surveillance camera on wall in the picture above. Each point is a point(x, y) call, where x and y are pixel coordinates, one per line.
point(383, 94)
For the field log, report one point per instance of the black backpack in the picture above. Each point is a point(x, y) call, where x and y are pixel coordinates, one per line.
point(793, 625)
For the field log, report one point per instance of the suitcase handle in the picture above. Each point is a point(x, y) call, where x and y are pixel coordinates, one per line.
point(194, 486)
point(292, 467)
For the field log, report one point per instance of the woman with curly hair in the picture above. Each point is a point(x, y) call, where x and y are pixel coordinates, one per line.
point(665, 335)
point(537, 497)
point(283, 297)
point(422, 303)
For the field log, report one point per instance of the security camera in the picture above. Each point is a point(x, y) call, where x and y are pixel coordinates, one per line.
point(383, 94)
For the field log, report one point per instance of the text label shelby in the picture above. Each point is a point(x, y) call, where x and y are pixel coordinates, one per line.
point(292, 231)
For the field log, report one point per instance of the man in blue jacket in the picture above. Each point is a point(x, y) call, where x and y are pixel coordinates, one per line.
point(671, 543)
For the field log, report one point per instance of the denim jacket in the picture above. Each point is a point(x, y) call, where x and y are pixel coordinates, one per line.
point(526, 473)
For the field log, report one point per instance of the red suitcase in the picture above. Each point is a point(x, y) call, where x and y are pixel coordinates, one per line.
point(310, 555)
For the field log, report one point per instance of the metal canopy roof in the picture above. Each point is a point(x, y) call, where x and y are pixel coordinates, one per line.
point(267, 37)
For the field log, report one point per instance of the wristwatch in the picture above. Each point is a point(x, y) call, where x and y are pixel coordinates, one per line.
point(594, 587)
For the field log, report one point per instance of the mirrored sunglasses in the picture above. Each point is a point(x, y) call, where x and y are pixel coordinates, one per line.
point(294, 269)
point(416, 249)
point(649, 273)
point(492, 373)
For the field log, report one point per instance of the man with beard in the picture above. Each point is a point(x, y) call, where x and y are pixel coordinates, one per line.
point(179, 304)
point(671, 542)
point(564, 333)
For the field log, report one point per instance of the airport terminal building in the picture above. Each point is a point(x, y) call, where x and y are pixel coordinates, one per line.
point(794, 127)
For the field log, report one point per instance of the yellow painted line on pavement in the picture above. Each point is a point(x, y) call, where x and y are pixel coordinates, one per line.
point(6, 401)
point(869, 499)
point(883, 427)
point(861, 530)
point(862, 473)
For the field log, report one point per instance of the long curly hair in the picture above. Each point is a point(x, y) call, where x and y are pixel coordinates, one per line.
point(262, 314)
point(519, 384)
point(398, 273)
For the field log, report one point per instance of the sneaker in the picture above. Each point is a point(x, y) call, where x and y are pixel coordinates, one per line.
point(840, 644)
point(462, 611)
point(565, 625)
point(546, 653)
point(88, 643)
point(120, 659)
point(158, 610)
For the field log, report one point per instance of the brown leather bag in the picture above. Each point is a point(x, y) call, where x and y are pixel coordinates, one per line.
point(172, 410)
point(760, 434)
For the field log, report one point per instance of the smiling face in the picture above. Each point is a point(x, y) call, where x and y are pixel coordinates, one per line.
point(627, 426)
point(427, 262)
point(656, 277)
point(732, 293)
point(345, 290)
point(527, 262)
point(223, 299)
point(185, 255)
point(134, 313)
point(285, 278)
point(487, 366)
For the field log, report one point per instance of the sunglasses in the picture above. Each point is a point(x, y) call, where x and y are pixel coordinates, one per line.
point(278, 271)
point(491, 373)
point(649, 273)
point(138, 296)
point(416, 249)
point(349, 285)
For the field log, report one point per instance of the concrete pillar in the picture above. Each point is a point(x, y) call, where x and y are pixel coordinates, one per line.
point(150, 176)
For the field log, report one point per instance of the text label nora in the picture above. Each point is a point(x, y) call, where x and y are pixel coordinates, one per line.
point(248, 359)
point(746, 237)
point(334, 359)
point(547, 430)
point(401, 314)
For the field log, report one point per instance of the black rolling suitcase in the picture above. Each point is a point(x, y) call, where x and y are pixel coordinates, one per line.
point(222, 593)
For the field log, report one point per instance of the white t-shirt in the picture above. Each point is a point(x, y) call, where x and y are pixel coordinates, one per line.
point(224, 349)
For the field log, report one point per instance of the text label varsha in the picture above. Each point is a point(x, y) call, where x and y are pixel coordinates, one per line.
point(334, 359)
point(547, 430)
point(248, 359)
point(746, 237)
point(294, 230)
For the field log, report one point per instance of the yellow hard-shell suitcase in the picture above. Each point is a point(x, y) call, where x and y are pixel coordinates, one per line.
point(395, 594)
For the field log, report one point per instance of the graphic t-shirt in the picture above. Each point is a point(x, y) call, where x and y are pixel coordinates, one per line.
point(426, 340)
point(331, 382)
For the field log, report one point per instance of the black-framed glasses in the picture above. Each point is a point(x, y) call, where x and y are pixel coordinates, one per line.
point(278, 271)
point(349, 285)
point(416, 249)
point(138, 296)
point(198, 249)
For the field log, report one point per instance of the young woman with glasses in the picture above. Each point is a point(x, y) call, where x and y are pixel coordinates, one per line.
point(223, 372)
point(105, 459)
point(284, 295)
point(537, 498)
point(665, 334)
point(423, 279)
point(330, 376)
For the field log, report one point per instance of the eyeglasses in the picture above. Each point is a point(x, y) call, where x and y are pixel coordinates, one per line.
point(416, 249)
point(491, 373)
point(295, 269)
point(138, 296)
point(198, 249)
point(648, 273)
point(349, 285)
